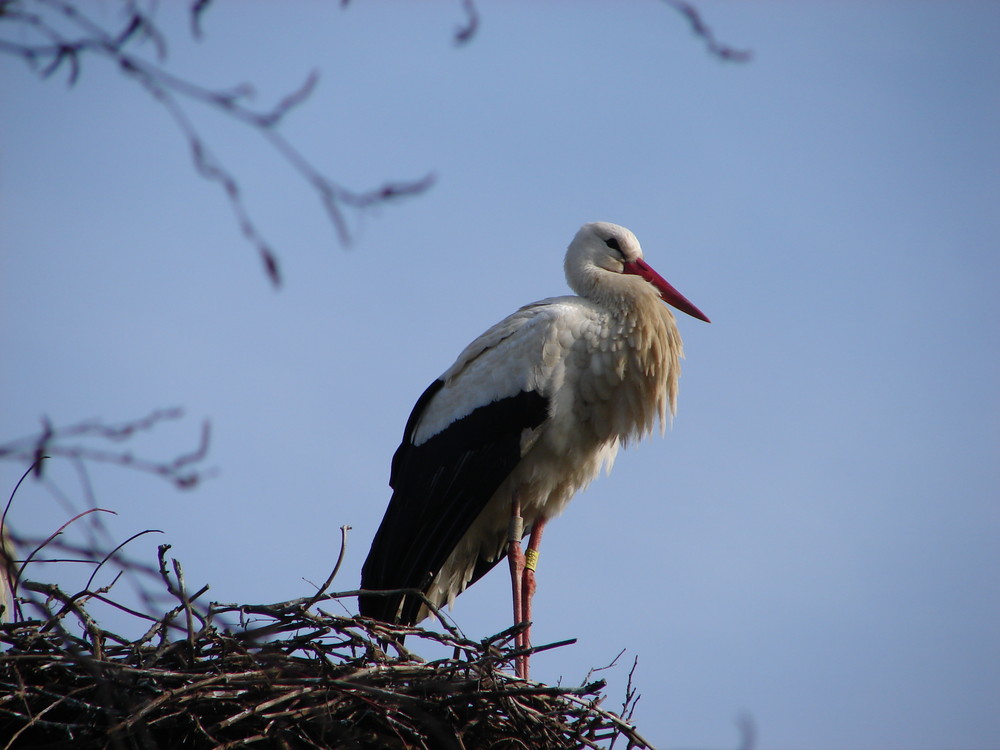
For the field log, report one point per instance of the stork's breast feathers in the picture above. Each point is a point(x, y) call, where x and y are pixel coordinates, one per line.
point(627, 371)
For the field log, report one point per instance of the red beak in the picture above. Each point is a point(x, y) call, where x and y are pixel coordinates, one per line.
point(668, 294)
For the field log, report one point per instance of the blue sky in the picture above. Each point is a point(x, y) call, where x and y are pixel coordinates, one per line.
point(813, 543)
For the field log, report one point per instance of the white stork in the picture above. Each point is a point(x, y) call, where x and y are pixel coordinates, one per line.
point(527, 415)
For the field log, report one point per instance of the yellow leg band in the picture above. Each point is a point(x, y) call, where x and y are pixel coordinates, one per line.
point(530, 559)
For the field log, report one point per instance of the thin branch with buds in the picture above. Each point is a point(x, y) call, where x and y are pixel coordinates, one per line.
point(74, 442)
point(67, 36)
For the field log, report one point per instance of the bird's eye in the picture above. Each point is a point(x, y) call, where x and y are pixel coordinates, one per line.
point(612, 242)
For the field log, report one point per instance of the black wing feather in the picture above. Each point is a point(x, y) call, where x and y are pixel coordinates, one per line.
point(440, 487)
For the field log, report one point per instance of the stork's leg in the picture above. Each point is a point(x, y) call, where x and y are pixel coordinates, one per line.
point(528, 581)
point(516, 559)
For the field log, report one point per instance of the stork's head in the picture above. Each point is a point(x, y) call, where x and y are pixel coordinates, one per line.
point(606, 258)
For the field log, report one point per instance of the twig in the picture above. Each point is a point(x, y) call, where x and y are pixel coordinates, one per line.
point(605, 667)
point(61, 48)
point(468, 30)
point(704, 31)
point(115, 550)
point(51, 442)
point(57, 532)
point(336, 568)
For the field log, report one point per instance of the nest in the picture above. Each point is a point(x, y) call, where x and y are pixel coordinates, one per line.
point(285, 675)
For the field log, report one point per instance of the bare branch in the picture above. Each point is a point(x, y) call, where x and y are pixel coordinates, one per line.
point(113, 552)
point(748, 732)
point(40, 547)
point(336, 569)
point(72, 442)
point(59, 48)
point(198, 8)
point(471, 26)
point(704, 32)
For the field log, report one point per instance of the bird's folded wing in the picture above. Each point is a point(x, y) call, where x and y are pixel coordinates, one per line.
point(441, 486)
point(463, 438)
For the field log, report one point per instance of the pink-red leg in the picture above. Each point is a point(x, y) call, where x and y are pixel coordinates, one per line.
point(516, 559)
point(528, 584)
